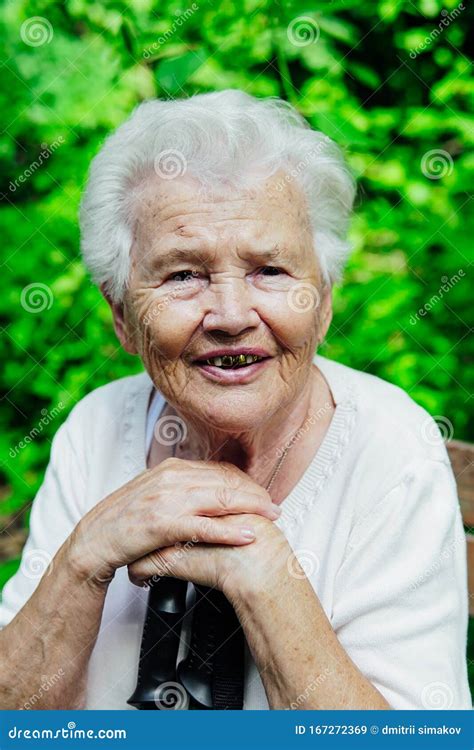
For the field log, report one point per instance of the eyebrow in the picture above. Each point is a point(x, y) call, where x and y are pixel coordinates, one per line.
point(186, 255)
point(180, 255)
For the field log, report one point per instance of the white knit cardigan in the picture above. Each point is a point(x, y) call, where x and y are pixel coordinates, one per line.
point(374, 521)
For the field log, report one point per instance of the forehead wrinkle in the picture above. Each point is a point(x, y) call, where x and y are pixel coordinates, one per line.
point(174, 224)
point(209, 242)
point(176, 210)
point(171, 207)
point(245, 248)
point(165, 198)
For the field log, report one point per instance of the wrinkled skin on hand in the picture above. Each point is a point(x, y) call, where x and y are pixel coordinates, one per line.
point(232, 569)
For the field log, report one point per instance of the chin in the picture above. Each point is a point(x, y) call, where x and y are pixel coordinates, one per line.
point(235, 416)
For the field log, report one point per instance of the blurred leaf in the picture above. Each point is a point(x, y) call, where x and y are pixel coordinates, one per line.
point(173, 74)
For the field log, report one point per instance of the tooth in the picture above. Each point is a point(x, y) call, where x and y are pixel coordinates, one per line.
point(227, 360)
point(255, 358)
point(249, 359)
point(242, 359)
point(217, 361)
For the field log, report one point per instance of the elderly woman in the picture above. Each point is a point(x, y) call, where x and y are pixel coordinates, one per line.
point(318, 499)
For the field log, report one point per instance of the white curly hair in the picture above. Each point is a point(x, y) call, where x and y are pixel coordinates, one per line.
point(221, 137)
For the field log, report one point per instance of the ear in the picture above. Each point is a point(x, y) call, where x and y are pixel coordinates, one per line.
point(325, 309)
point(121, 325)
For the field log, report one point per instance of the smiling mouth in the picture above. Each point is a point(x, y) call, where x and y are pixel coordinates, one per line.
point(232, 361)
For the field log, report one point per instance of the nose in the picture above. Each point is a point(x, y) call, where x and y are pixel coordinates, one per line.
point(229, 307)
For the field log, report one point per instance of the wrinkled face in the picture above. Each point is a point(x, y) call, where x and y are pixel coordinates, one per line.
point(225, 303)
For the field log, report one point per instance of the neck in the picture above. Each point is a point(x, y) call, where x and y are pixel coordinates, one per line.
point(257, 452)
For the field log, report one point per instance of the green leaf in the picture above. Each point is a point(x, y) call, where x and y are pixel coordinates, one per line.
point(172, 74)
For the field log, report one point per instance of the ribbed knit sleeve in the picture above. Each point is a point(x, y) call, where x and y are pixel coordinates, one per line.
point(57, 508)
point(400, 599)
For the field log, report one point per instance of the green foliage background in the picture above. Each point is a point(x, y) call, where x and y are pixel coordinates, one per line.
point(357, 82)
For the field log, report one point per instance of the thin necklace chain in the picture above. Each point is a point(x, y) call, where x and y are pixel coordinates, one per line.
point(281, 460)
point(278, 466)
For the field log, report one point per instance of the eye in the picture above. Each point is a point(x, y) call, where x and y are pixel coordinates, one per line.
point(271, 271)
point(181, 276)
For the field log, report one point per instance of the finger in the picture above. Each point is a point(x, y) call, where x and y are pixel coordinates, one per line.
point(157, 564)
point(217, 500)
point(222, 501)
point(209, 530)
point(188, 564)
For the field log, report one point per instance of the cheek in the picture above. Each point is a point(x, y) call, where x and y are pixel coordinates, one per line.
point(166, 326)
point(294, 327)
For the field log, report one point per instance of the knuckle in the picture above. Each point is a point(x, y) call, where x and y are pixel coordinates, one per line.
point(230, 475)
point(168, 467)
point(204, 529)
point(171, 461)
point(223, 498)
point(160, 563)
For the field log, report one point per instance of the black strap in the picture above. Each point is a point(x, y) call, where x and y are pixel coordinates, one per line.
point(228, 673)
point(213, 671)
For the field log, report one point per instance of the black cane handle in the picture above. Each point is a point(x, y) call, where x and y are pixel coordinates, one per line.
point(159, 648)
